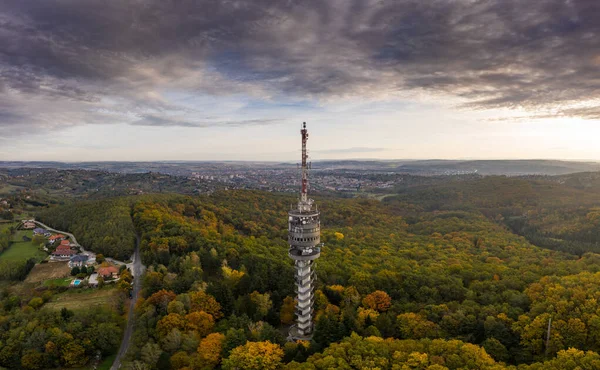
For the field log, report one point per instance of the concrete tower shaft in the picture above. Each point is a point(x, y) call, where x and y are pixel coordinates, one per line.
point(304, 238)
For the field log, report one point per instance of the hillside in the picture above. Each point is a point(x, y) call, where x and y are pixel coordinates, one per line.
point(464, 273)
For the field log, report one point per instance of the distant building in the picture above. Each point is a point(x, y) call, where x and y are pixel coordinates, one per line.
point(78, 260)
point(40, 231)
point(63, 251)
point(28, 225)
point(56, 237)
point(108, 272)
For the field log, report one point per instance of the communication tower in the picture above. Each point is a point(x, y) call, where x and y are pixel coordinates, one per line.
point(304, 237)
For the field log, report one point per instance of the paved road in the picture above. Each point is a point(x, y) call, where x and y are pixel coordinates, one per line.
point(60, 232)
point(137, 270)
point(131, 266)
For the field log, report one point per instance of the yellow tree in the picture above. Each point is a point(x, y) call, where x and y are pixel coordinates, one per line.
point(262, 301)
point(287, 311)
point(231, 276)
point(209, 350)
point(415, 326)
point(255, 356)
point(200, 321)
point(168, 323)
point(73, 355)
point(32, 359)
point(180, 360)
point(200, 301)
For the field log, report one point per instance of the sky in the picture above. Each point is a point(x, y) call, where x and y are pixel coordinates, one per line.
point(142, 80)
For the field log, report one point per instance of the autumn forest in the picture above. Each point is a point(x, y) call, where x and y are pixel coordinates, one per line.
point(483, 272)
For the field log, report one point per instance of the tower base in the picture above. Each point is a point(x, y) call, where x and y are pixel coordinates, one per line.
point(294, 335)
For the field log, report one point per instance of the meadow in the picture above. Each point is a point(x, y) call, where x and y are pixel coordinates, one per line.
point(48, 271)
point(20, 250)
point(82, 298)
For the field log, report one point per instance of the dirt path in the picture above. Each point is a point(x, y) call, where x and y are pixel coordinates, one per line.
point(137, 283)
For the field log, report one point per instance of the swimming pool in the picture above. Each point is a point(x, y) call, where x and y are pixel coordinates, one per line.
point(76, 282)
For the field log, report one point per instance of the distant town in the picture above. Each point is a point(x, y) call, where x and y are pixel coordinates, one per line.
point(134, 178)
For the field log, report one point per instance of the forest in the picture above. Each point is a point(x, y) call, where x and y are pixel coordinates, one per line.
point(435, 277)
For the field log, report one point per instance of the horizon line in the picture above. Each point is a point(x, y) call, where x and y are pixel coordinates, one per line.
point(316, 161)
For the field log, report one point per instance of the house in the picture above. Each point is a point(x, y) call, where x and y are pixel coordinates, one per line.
point(108, 272)
point(65, 242)
point(56, 237)
point(78, 260)
point(28, 225)
point(40, 231)
point(63, 251)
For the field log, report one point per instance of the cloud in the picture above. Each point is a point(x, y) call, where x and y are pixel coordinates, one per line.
point(156, 121)
point(116, 59)
point(352, 150)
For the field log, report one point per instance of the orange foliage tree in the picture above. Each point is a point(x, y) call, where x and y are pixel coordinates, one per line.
point(209, 350)
point(200, 322)
point(378, 300)
point(161, 299)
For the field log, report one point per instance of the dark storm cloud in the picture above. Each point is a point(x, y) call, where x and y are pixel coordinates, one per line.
point(495, 53)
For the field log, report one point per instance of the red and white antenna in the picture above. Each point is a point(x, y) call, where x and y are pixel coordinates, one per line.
point(304, 192)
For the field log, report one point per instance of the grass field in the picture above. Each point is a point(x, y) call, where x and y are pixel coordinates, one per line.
point(8, 189)
point(6, 225)
point(20, 251)
point(48, 271)
point(58, 282)
point(75, 299)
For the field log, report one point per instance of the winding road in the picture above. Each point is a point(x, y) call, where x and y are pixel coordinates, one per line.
point(137, 269)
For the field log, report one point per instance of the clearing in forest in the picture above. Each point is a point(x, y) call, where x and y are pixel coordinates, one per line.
point(81, 298)
point(22, 251)
point(48, 271)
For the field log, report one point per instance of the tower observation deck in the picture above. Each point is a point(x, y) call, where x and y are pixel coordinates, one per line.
point(304, 237)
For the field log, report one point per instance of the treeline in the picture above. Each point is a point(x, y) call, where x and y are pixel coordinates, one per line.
point(37, 338)
point(439, 279)
point(102, 226)
point(220, 262)
point(560, 213)
point(5, 238)
point(16, 270)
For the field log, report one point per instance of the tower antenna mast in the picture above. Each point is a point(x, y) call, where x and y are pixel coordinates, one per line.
point(304, 192)
point(304, 238)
